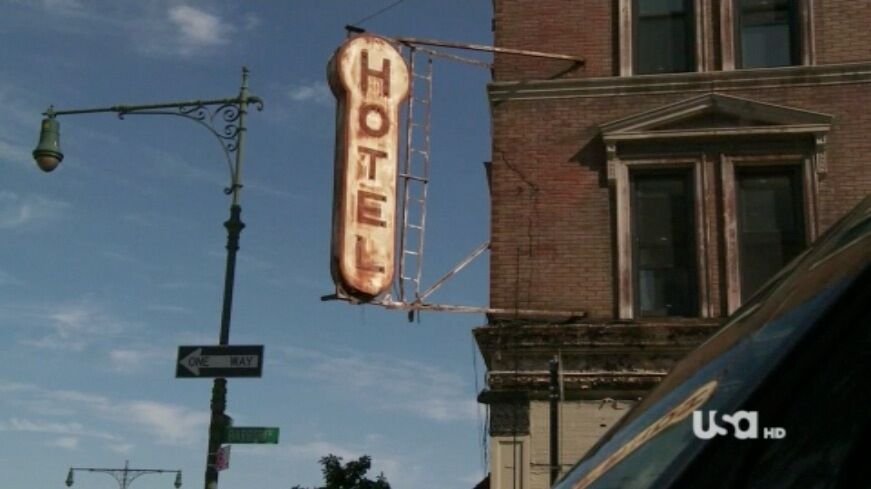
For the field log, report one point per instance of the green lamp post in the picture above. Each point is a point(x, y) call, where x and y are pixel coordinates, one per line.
point(209, 114)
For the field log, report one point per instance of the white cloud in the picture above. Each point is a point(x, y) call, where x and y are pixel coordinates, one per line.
point(251, 21)
point(11, 387)
point(171, 424)
point(168, 308)
point(67, 396)
point(161, 27)
point(62, 4)
point(197, 29)
point(132, 360)
point(52, 427)
point(315, 92)
point(122, 448)
point(74, 326)
point(14, 153)
point(314, 450)
point(7, 278)
point(387, 384)
point(67, 442)
point(17, 210)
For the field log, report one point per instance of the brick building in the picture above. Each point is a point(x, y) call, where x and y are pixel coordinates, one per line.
point(700, 146)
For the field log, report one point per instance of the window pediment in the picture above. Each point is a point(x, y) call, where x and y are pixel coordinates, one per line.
point(715, 115)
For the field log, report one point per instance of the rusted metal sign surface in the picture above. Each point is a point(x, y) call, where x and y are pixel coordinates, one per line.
point(370, 79)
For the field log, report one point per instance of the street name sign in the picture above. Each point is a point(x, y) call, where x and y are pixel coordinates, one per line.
point(246, 434)
point(219, 361)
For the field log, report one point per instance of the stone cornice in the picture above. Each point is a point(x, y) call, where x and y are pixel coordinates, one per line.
point(605, 356)
point(536, 386)
point(668, 334)
point(696, 82)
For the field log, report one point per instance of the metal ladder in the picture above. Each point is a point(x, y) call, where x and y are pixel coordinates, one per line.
point(414, 176)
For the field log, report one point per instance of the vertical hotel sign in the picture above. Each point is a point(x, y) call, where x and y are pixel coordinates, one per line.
point(370, 79)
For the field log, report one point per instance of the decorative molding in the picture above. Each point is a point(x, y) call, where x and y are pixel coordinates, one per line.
point(764, 114)
point(625, 37)
point(612, 160)
point(821, 166)
point(713, 81)
point(622, 197)
point(808, 39)
point(633, 380)
point(702, 14)
point(731, 282)
point(723, 132)
point(727, 35)
point(728, 165)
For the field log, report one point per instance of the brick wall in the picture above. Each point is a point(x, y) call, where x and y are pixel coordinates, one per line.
point(841, 31)
point(551, 223)
point(588, 28)
point(573, 27)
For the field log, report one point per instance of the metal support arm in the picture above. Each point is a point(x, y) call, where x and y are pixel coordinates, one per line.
point(207, 113)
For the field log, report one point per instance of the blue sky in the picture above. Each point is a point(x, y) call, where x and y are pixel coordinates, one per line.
point(116, 258)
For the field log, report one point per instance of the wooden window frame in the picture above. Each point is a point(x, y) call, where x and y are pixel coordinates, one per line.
point(729, 165)
point(626, 20)
point(729, 36)
point(623, 196)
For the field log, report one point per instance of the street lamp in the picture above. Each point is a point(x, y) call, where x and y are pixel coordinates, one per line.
point(126, 475)
point(209, 114)
point(47, 153)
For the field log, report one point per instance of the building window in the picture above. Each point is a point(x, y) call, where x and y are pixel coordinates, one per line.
point(769, 218)
point(663, 40)
point(767, 33)
point(710, 200)
point(770, 222)
point(663, 245)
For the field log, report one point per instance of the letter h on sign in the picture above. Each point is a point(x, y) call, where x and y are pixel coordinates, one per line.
point(366, 72)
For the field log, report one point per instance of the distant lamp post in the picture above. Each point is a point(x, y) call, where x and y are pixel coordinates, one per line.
point(209, 114)
point(126, 475)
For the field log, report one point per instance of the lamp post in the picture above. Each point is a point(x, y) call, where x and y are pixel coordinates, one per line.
point(208, 114)
point(126, 475)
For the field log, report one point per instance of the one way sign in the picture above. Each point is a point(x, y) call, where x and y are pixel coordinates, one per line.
point(220, 361)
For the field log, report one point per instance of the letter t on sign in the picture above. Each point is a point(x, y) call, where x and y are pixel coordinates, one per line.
point(372, 162)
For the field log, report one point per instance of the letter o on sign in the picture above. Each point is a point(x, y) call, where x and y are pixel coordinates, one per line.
point(368, 112)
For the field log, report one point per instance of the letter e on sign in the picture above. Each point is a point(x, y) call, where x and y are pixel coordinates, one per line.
point(370, 79)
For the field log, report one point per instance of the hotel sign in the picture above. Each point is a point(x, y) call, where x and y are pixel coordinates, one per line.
point(370, 79)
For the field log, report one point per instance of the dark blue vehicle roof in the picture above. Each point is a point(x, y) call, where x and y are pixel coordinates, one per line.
point(656, 439)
